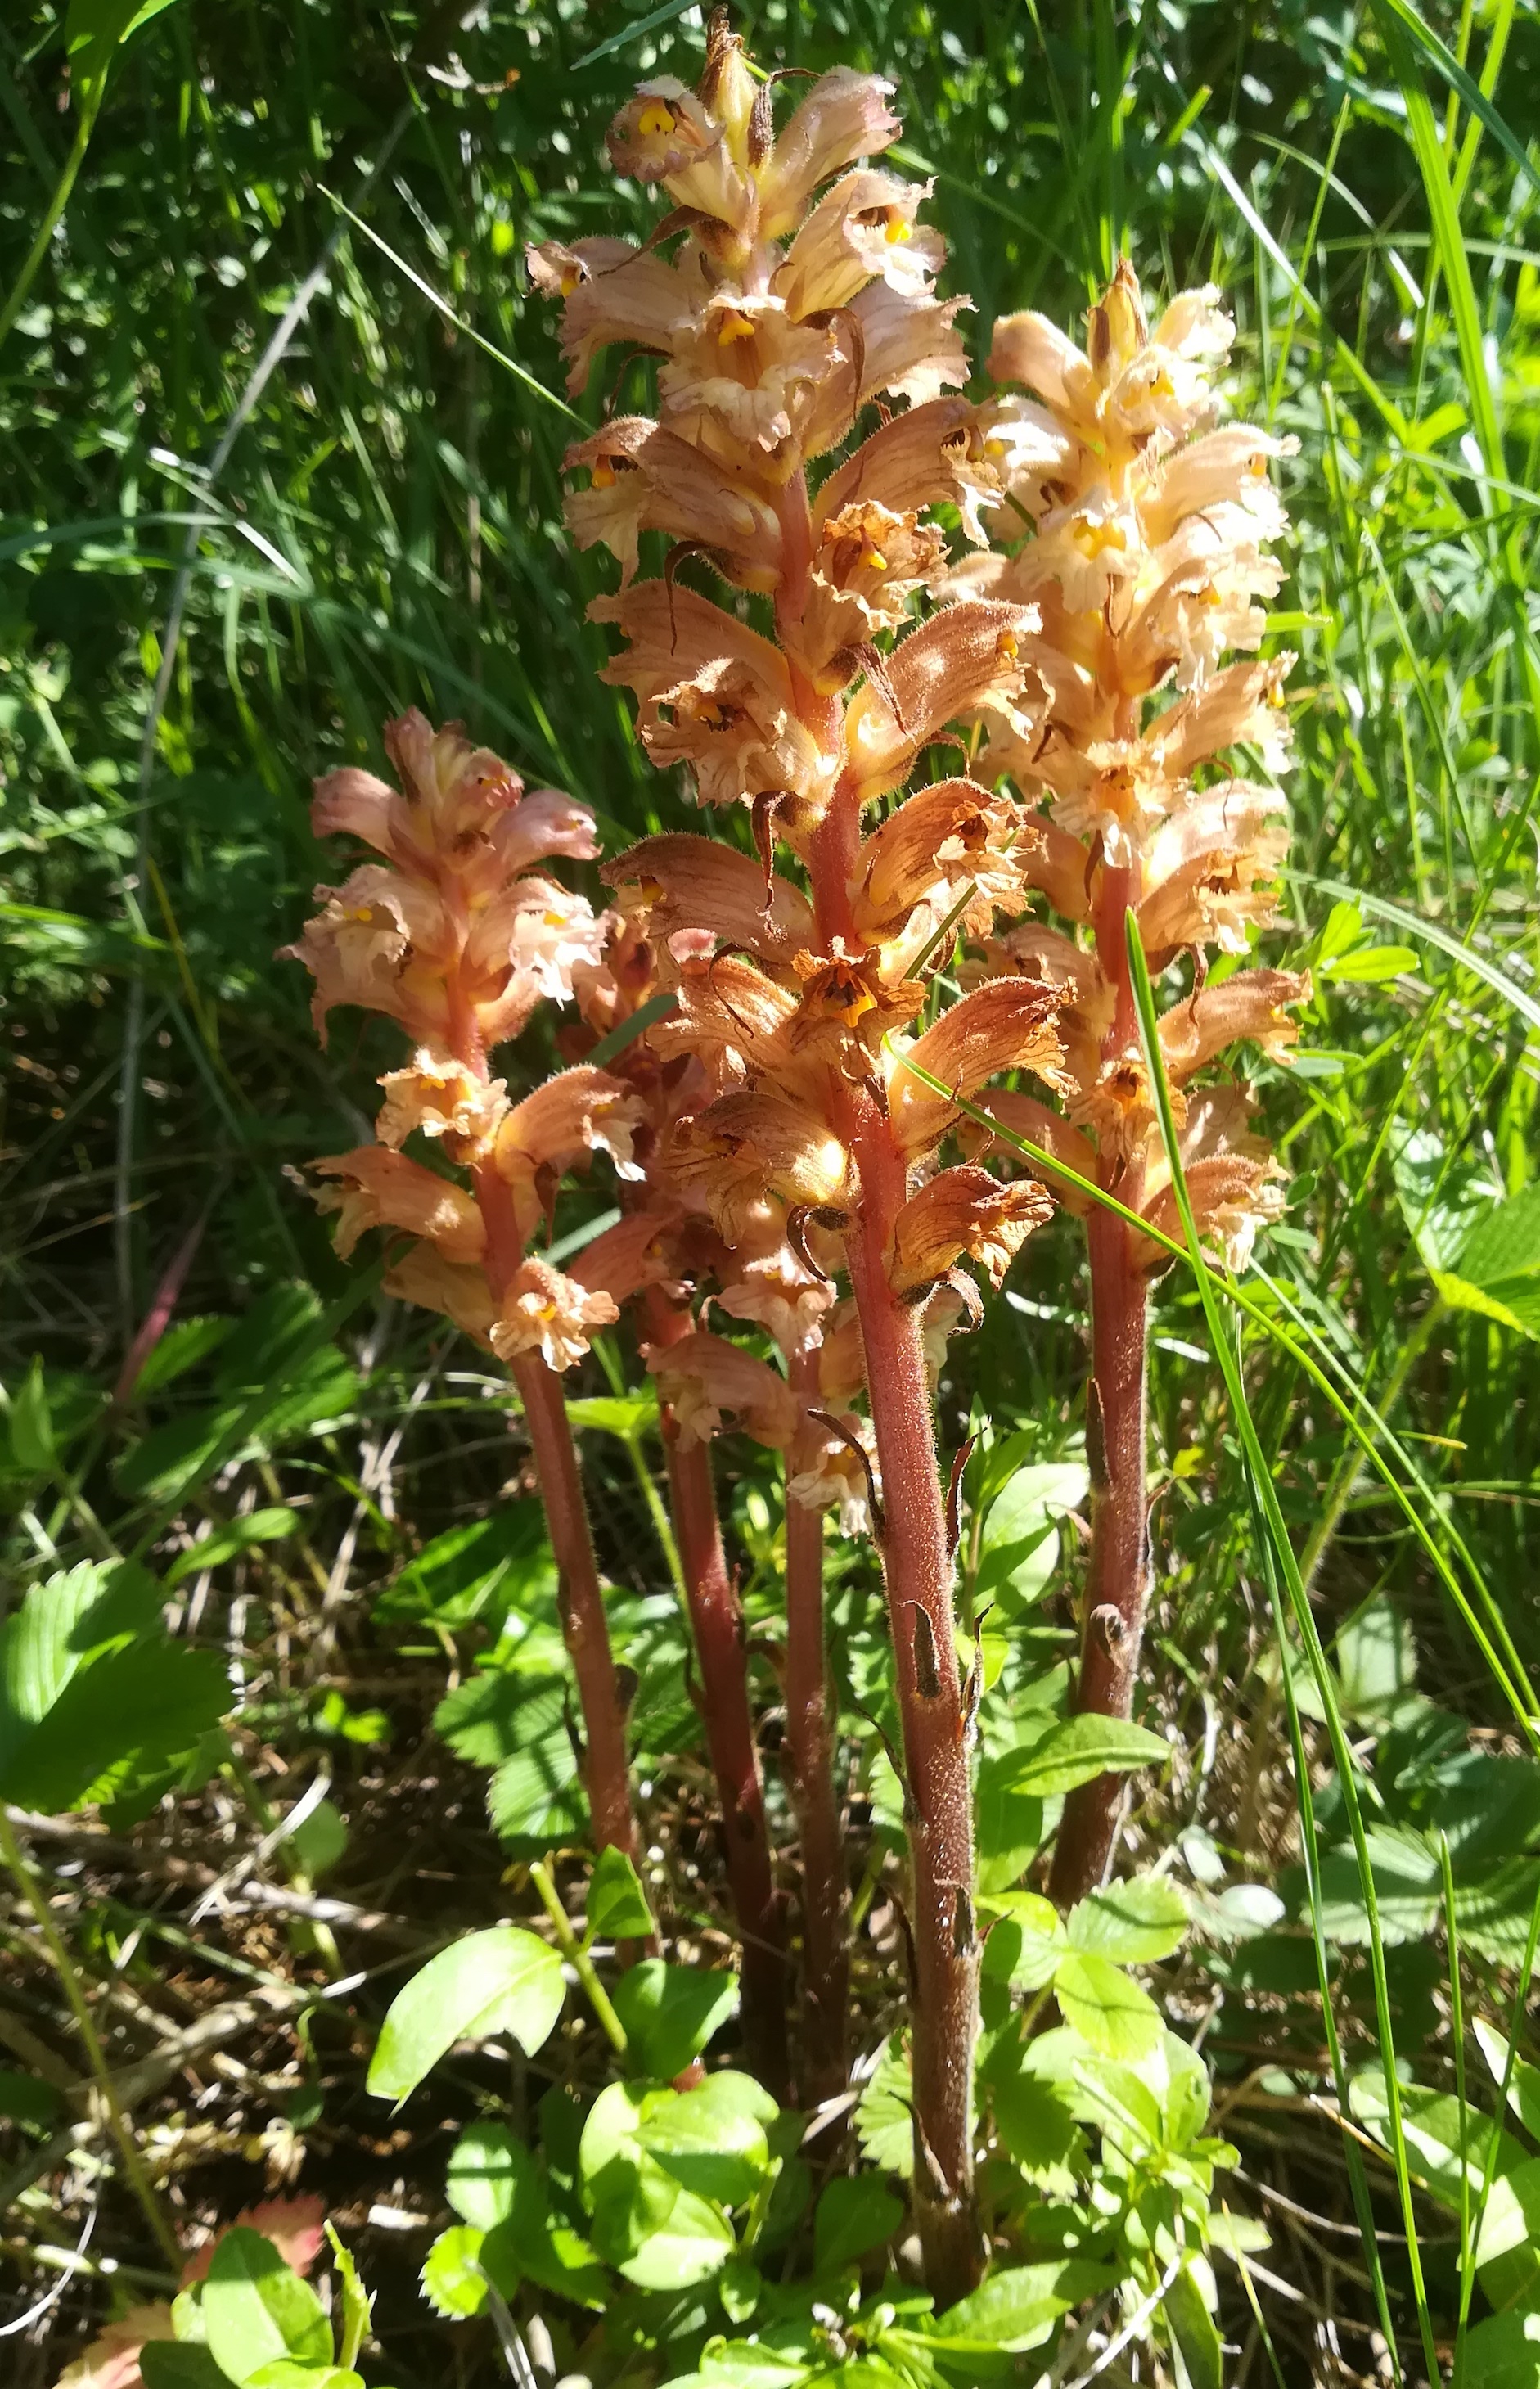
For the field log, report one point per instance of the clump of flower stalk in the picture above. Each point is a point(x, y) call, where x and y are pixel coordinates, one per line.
point(458, 934)
point(778, 318)
point(1149, 549)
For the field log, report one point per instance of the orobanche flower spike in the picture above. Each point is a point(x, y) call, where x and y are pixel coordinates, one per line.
point(458, 934)
point(1151, 529)
point(779, 315)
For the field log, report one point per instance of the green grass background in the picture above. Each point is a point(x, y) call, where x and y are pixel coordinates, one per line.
point(370, 518)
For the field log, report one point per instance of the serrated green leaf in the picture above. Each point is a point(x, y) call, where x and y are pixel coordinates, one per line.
point(452, 2281)
point(270, 1526)
point(505, 1980)
point(1105, 2008)
point(1503, 2352)
point(884, 2113)
point(1134, 1922)
point(479, 1571)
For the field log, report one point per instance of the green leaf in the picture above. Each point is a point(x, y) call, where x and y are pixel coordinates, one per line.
point(618, 1909)
point(671, 2012)
point(884, 2113)
point(505, 1980)
point(1376, 1661)
point(1113, 2014)
point(712, 2141)
point(1008, 1821)
point(273, 1526)
point(286, 2374)
point(184, 1345)
point(487, 2164)
point(483, 1570)
point(358, 2307)
point(256, 2309)
point(1076, 1750)
point(1200, 2363)
point(1498, 1270)
point(320, 1840)
point(172, 2364)
point(1019, 1551)
point(1034, 2122)
point(626, 1415)
point(1017, 2309)
point(132, 1707)
point(1133, 1923)
point(694, 2242)
point(1504, 2351)
point(1366, 966)
point(854, 2213)
point(1026, 1943)
point(31, 1426)
point(27, 2099)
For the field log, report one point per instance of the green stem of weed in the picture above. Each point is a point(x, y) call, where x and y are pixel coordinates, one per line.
point(46, 229)
point(577, 1957)
point(117, 2123)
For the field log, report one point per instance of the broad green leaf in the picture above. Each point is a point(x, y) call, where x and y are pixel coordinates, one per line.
point(1504, 2351)
point(487, 2164)
point(530, 2247)
point(1505, 1243)
point(1026, 1943)
point(29, 1425)
point(618, 1909)
point(626, 1415)
point(671, 2012)
point(74, 1726)
point(320, 1840)
point(1442, 1199)
point(1008, 1821)
point(1105, 2008)
point(712, 2141)
point(1019, 1551)
point(1438, 2147)
point(1507, 2250)
point(505, 1980)
point(1407, 1889)
point(1370, 965)
point(1016, 2310)
point(854, 2213)
point(257, 2311)
point(884, 2113)
point(694, 2242)
point(1376, 1658)
point(1076, 1750)
point(740, 2365)
point(1133, 1923)
point(174, 2364)
point(1034, 2123)
point(482, 1570)
point(184, 1345)
point(272, 1525)
point(286, 2374)
point(1523, 2088)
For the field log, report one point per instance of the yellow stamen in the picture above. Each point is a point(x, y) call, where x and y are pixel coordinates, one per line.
point(602, 477)
point(651, 891)
point(555, 920)
point(571, 276)
point(735, 327)
point(1091, 538)
point(654, 118)
point(874, 560)
point(1008, 649)
point(898, 230)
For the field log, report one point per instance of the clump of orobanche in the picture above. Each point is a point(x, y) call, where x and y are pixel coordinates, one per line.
point(1141, 530)
point(937, 660)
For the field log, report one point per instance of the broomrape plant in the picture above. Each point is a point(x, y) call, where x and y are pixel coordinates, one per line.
point(785, 1099)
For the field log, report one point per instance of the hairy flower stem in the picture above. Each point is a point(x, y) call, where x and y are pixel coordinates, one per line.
point(584, 1628)
point(1117, 1582)
point(717, 1621)
point(917, 1571)
point(810, 1744)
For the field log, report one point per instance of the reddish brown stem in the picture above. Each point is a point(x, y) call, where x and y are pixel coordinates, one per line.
point(717, 1620)
point(585, 1628)
point(1117, 1582)
point(918, 1571)
point(811, 1781)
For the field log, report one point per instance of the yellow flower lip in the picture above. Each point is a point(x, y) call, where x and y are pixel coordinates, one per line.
point(735, 325)
point(898, 230)
point(571, 276)
point(602, 477)
point(655, 119)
